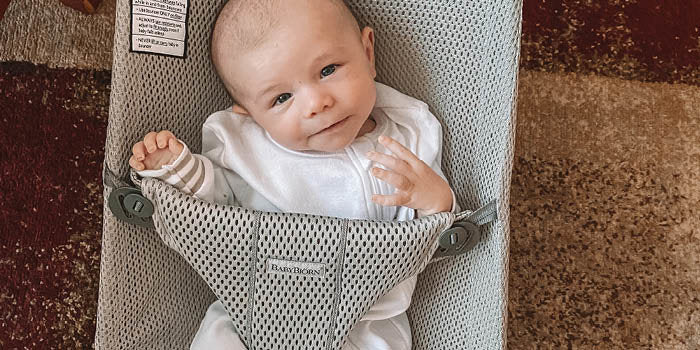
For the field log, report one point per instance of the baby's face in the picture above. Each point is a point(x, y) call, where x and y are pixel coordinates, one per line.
point(310, 84)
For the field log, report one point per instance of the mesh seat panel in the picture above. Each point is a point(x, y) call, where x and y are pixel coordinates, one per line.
point(230, 248)
point(460, 57)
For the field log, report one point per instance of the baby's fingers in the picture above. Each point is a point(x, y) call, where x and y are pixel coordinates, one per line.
point(150, 142)
point(393, 163)
point(396, 199)
point(175, 146)
point(136, 164)
point(163, 138)
point(139, 151)
point(398, 149)
point(399, 181)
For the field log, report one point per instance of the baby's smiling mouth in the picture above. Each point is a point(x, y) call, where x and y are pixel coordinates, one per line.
point(334, 125)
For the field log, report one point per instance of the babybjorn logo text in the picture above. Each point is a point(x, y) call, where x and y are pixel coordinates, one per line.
point(298, 270)
point(307, 269)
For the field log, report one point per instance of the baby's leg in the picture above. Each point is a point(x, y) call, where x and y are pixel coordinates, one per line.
point(216, 331)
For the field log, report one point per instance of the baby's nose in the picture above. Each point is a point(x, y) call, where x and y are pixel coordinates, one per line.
point(319, 101)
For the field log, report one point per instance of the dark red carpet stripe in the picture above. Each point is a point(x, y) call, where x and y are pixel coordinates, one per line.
point(646, 40)
point(52, 132)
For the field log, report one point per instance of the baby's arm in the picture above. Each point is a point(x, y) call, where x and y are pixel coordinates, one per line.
point(161, 155)
point(417, 185)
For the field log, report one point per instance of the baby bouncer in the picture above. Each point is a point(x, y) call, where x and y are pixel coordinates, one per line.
point(166, 256)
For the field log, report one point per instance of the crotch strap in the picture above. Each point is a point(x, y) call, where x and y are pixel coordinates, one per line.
point(292, 278)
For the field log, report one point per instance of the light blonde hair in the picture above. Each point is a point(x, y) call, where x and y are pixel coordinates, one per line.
point(243, 25)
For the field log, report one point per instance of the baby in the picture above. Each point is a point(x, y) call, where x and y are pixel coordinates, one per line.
point(310, 132)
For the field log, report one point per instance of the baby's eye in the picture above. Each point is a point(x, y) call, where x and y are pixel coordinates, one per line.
point(328, 70)
point(282, 98)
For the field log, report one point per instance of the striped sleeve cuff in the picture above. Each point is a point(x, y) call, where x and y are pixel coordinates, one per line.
point(186, 173)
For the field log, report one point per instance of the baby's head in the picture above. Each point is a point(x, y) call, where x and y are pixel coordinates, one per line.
point(297, 67)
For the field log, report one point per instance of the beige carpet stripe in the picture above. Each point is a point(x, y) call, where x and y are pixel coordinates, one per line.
point(47, 32)
point(609, 120)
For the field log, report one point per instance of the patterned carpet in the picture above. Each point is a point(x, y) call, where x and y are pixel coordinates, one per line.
point(602, 257)
point(605, 197)
point(51, 146)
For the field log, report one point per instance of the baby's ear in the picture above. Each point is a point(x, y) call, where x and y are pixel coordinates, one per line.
point(238, 109)
point(368, 43)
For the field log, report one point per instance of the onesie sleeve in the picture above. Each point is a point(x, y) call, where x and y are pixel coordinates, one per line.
point(195, 175)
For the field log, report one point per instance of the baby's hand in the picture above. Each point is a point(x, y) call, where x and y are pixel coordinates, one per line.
point(417, 185)
point(156, 150)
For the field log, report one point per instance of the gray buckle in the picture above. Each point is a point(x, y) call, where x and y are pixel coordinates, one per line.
point(466, 233)
point(128, 204)
point(458, 239)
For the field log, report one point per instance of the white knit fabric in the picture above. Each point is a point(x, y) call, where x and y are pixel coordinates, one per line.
point(246, 167)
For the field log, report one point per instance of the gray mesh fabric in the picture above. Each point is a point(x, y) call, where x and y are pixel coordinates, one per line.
point(229, 248)
point(460, 57)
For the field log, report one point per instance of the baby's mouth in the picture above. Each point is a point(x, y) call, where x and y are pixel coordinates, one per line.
point(334, 125)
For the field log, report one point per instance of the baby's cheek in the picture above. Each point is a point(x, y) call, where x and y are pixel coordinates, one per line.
point(370, 96)
point(291, 135)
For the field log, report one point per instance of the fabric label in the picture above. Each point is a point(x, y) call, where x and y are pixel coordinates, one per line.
point(307, 269)
point(159, 27)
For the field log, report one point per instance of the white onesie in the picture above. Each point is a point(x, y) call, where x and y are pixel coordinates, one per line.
point(242, 165)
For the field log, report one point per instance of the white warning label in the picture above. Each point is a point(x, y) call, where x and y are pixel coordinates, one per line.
point(159, 26)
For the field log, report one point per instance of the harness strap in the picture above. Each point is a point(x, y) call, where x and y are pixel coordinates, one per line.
point(485, 214)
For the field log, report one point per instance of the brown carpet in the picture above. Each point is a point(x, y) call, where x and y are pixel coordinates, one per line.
point(603, 256)
point(605, 246)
